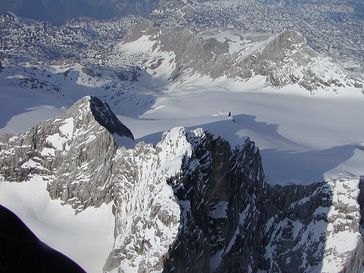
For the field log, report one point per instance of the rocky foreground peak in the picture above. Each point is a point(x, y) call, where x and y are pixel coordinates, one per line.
point(101, 112)
point(191, 203)
point(81, 140)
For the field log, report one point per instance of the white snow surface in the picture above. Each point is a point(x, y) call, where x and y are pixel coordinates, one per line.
point(148, 214)
point(303, 138)
point(59, 140)
point(87, 237)
point(67, 128)
point(160, 64)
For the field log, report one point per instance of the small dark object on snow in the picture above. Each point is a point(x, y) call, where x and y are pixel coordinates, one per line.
point(229, 115)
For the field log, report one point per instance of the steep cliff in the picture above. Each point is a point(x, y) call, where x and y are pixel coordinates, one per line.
point(232, 221)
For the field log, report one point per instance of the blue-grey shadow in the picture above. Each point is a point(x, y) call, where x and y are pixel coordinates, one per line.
point(44, 88)
point(290, 167)
point(281, 166)
point(224, 128)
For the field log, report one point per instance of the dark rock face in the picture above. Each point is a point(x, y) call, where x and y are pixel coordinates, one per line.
point(237, 223)
point(107, 118)
point(361, 201)
point(22, 252)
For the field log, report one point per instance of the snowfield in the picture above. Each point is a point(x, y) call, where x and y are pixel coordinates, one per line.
point(303, 138)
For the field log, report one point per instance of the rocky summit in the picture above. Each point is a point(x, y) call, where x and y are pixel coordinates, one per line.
point(282, 59)
point(190, 203)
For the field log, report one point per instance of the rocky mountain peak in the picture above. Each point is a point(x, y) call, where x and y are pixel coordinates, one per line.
point(91, 108)
point(278, 45)
point(103, 115)
point(190, 203)
point(69, 147)
point(284, 58)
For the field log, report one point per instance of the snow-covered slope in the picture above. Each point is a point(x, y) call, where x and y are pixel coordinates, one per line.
point(58, 226)
point(190, 203)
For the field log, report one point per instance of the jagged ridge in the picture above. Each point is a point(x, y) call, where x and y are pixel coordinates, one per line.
point(191, 203)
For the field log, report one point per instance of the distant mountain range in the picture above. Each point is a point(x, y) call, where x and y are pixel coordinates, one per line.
point(332, 27)
point(58, 11)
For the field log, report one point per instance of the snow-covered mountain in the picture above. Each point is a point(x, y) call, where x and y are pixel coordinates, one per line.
point(141, 55)
point(190, 203)
point(331, 27)
point(283, 59)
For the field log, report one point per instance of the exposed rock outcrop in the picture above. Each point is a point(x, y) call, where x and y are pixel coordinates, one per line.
point(237, 223)
point(284, 58)
point(78, 147)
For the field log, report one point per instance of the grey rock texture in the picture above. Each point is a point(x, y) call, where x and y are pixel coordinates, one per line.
point(238, 223)
point(190, 203)
point(73, 148)
point(332, 27)
point(283, 58)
